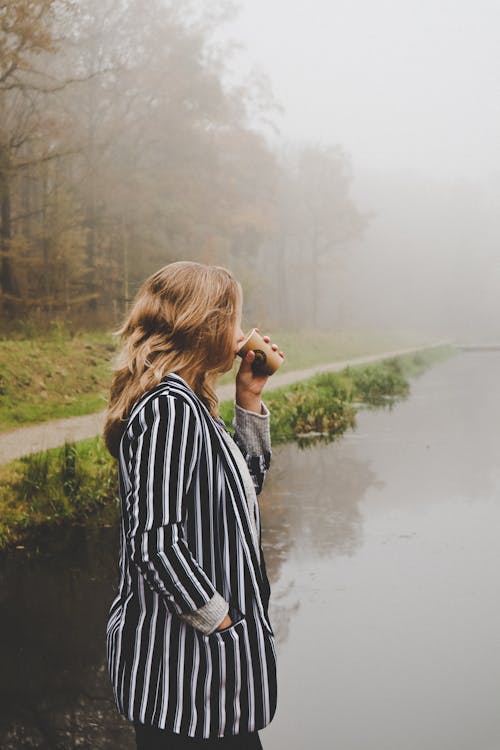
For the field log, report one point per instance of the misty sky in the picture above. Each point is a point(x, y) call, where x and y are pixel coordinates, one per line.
point(398, 83)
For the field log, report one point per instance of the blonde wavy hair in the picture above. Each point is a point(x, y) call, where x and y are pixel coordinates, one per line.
point(182, 320)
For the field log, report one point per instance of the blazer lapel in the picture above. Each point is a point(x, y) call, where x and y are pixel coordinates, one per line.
point(238, 498)
point(241, 512)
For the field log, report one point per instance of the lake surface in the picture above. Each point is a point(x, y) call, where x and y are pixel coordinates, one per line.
point(382, 550)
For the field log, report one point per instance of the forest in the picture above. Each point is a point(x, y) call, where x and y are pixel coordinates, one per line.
point(127, 142)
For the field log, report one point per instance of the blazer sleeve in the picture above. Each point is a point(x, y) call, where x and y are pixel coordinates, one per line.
point(252, 435)
point(163, 453)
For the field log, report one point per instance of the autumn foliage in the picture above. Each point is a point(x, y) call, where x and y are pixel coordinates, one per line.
point(123, 146)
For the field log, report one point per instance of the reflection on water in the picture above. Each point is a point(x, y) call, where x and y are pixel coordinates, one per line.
point(381, 548)
point(387, 597)
point(54, 691)
point(311, 503)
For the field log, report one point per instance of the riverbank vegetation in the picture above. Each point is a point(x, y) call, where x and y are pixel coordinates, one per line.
point(66, 374)
point(77, 483)
point(325, 405)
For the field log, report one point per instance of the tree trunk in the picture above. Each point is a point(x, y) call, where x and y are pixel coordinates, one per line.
point(91, 252)
point(7, 281)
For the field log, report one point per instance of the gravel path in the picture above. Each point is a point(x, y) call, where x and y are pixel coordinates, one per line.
point(26, 440)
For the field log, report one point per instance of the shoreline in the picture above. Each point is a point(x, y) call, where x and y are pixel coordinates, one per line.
point(76, 484)
point(23, 441)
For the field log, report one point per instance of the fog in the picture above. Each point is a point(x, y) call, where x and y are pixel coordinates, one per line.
point(402, 85)
point(411, 91)
point(343, 158)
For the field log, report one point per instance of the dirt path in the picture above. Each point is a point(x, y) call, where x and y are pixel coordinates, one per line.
point(26, 440)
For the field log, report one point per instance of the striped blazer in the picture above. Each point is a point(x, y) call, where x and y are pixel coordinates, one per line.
point(185, 535)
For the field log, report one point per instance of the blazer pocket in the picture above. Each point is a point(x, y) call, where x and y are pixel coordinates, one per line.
point(237, 618)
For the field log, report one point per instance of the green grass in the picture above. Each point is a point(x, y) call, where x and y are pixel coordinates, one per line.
point(64, 375)
point(374, 383)
point(54, 376)
point(325, 404)
point(77, 483)
point(319, 406)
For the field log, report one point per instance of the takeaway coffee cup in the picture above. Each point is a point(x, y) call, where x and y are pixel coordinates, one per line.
point(266, 359)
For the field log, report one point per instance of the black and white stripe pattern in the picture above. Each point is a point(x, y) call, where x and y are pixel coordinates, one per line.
point(186, 534)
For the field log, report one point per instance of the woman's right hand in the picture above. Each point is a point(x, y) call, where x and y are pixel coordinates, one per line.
point(226, 623)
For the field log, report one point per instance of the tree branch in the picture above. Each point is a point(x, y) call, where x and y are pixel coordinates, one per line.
point(48, 157)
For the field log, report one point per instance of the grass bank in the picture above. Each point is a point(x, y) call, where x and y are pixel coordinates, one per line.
point(325, 405)
point(64, 375)
point(77, 483)
point(54, 376)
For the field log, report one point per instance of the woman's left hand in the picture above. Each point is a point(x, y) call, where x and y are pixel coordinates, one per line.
point(249, 384)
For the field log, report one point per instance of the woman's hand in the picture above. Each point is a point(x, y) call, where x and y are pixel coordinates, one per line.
point(249, 385)
point(226, 623)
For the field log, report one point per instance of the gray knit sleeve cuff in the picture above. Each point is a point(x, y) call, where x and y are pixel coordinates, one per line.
point(209, 617)
point(253, 430)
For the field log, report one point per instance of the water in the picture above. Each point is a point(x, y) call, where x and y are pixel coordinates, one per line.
point(383, 556)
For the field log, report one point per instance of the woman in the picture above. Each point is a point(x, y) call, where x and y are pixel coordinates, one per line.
point(190, 647)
